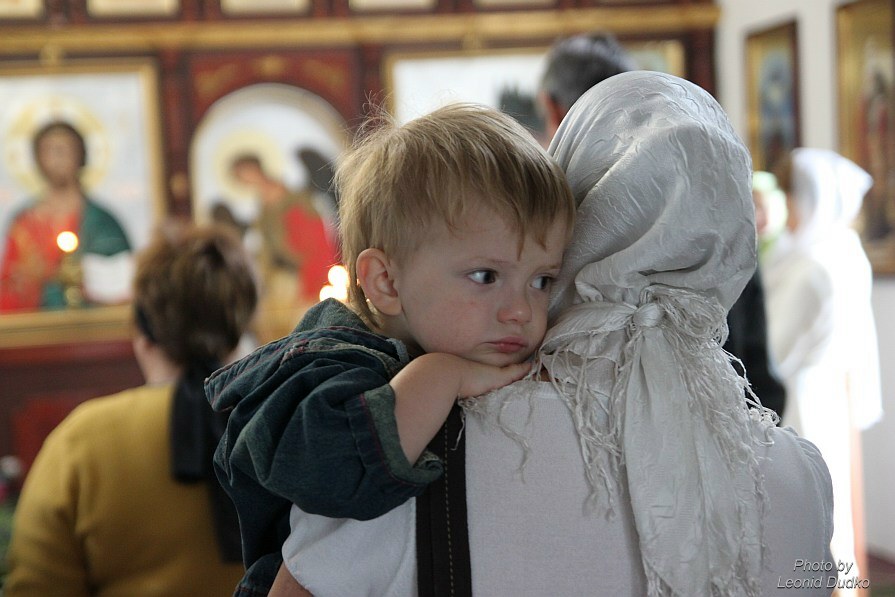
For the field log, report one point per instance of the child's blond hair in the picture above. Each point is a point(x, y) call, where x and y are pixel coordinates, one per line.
point(399, 179)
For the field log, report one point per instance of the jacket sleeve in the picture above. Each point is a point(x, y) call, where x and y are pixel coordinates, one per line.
point(320, 432)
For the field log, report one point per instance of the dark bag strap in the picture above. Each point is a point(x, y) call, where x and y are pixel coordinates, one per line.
point(442, 537)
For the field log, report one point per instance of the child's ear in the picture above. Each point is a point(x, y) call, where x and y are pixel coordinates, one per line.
point(375, 274)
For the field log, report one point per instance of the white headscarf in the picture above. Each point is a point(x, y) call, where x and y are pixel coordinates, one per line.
point(663, 246)
point(827, 193)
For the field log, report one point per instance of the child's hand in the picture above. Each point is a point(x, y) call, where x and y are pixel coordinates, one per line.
point(478, 378)
point(426, 389)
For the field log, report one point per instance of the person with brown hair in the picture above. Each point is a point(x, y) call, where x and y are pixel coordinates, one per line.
point(122, 498)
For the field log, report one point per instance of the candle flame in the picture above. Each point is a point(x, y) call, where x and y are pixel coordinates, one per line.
point(338, 276)
point(67, 241)
point(338, 284)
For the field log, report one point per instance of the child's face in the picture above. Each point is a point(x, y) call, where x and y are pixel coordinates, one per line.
point(471, 292)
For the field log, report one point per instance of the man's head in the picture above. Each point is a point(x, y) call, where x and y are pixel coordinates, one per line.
point(448, 180)
point(59, 152)
point(574, 65)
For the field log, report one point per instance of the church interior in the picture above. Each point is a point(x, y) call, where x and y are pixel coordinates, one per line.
point(215, 110)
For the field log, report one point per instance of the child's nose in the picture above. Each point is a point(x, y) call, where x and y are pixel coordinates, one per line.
point(515, 308)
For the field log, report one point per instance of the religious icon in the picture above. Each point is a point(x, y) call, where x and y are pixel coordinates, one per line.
point(773, 94)
point(866, 75)
point(77, 195)
point(263, 164)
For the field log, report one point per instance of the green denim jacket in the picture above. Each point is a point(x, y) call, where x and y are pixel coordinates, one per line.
point(312, 424)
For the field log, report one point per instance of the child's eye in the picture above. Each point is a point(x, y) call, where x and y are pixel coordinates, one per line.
point(542, 282)
point(483, 276)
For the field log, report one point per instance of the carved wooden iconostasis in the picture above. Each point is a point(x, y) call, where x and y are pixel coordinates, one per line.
point(208, 80)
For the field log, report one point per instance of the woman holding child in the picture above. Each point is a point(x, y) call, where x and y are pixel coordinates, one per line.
point(627, 463)
point(644, 472)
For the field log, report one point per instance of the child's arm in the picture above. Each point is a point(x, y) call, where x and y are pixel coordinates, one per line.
point(425, 391)
point(315, 424)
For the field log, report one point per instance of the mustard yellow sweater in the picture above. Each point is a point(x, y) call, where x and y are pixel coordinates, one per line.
point(101, 515)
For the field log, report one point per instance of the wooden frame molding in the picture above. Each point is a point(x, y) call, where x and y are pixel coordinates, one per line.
point(63, 327)
point(477, 28)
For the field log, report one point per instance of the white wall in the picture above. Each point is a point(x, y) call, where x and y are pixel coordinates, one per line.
point(879, 440)
point(817, 103)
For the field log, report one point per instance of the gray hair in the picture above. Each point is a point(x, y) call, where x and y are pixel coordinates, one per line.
point(577, 63)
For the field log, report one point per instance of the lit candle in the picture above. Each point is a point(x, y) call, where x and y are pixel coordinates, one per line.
point(69, 268)
point(338, 284)
point(67, 241)
point(338, 276)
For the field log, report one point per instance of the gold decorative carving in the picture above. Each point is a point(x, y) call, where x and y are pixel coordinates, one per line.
point(137, 37)
point(270, 66)
point(336, 81)
point(210, 84)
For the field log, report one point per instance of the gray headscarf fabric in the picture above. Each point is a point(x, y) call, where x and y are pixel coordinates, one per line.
point(663, 246)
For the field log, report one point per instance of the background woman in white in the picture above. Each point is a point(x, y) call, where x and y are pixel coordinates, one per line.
point(821, 328)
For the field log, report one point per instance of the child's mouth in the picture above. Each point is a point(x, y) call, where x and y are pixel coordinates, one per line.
point(509, 345)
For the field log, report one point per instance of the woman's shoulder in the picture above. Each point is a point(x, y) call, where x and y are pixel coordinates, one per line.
point(90, 418)
point(796, 475)
point(798, 493)
point(785, 450)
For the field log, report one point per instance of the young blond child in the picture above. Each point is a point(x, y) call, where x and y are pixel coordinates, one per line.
point(453, 227)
